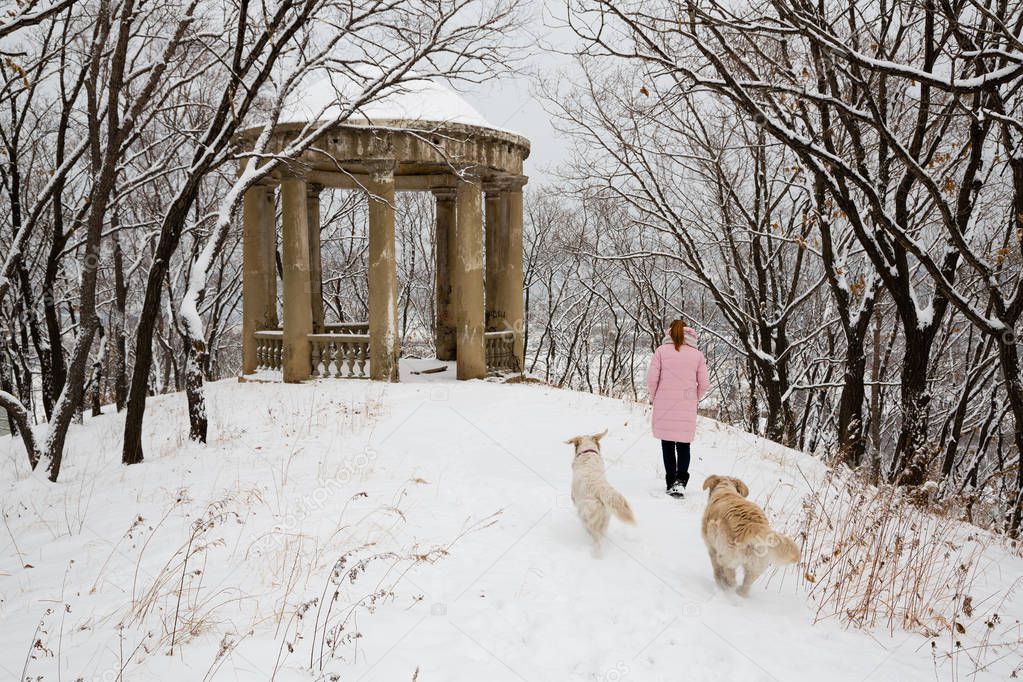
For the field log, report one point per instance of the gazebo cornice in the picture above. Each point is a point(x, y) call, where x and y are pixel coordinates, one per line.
point(416, 127)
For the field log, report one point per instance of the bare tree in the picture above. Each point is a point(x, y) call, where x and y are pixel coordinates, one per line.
point(911, 134)
point(120, 124)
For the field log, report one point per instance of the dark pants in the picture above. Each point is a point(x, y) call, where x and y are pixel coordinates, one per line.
point(675, 469)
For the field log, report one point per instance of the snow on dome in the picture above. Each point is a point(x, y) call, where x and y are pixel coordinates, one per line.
point(416, 100)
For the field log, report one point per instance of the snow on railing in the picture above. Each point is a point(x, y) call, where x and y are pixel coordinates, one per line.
point(346, 328)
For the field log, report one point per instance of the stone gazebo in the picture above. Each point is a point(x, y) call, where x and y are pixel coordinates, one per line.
point(423, 139)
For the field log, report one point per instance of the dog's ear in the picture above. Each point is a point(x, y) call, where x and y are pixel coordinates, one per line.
point(574, 441)
point(741, 488)
point(598, 436)
point(711, 482)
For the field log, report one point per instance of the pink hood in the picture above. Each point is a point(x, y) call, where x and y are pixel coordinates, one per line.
point(692, 336)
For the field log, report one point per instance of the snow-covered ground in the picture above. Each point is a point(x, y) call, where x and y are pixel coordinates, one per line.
point(455, 495)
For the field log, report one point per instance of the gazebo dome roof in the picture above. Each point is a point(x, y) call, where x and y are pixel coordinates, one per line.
point(422, 126)
point(414, 101)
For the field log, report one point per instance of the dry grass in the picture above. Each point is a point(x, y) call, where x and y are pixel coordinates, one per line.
point(313, 597)
point(175, 596)
point(333, 613)
point(874, 558)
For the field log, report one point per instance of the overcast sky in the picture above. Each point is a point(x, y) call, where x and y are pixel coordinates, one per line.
point(511, 101)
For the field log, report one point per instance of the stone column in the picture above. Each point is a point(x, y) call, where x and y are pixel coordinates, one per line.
point(298, 312)
point(255, 273)
point(496, 225)
point(272, 321)
point(315, 261)
point(510, 291)
point(467, 280)
point(383, 280)
point(444, 334)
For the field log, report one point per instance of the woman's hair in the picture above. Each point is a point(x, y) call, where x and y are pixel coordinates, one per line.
point(677, 332)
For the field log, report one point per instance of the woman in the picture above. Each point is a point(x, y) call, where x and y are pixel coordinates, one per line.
point(676, 381)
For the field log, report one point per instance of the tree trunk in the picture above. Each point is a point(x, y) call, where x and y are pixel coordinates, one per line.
point(912, 451)
point(117, 329)
point(71, 397)
point(197, 420)
point(851, 442)
point(138, 388)
point(753, 406)
point(22, 375)
point(96, 382)
point(1008, 355)
point(7, 387)
point(780, 422)
point(169, 237)
point(19, 417)
point(56, 372)
point(30, 324)
point(875, 403)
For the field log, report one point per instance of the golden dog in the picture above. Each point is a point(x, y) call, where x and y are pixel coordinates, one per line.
point(737, 535)
point(593, 496)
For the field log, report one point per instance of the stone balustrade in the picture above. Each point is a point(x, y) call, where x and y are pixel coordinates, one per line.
point(343, 351)
point(500, 350)
point(269, 349)
point(339, 356)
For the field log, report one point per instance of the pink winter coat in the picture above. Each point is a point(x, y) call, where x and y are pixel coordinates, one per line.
point(676, 381)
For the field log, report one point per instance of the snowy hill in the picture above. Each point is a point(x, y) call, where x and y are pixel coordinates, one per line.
point(439, 514)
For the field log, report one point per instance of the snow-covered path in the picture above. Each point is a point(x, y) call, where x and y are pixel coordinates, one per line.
point(529, 602)
point(520, 598)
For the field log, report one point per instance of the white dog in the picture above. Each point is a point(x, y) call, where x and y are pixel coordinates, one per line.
point(593, 496)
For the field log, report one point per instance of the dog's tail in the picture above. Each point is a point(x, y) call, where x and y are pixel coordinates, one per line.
point(616, 502)
point(782, 549)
